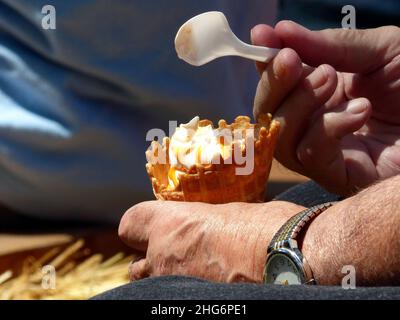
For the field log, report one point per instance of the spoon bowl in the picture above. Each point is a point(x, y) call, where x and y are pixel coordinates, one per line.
point(208, 36)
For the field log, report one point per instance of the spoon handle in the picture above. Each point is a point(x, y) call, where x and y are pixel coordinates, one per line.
point(257, 53)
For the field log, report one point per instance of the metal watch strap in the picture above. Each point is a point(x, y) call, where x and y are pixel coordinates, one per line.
point(290, 230)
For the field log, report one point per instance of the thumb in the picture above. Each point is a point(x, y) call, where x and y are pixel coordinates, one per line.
point(358, 51)
point(264, 35)
point(136, 224)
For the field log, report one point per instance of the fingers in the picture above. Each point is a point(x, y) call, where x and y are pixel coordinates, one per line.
point(280, 77)
point(264, 35)
point(137, 223)
point(346, 50)
point(139, 270)
point(297, 109)
point(320, 151)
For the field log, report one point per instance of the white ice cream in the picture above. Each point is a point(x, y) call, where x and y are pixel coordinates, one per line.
point(192, 145)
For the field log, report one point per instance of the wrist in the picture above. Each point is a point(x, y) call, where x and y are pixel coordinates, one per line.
point(318, 255)
point(273, 216)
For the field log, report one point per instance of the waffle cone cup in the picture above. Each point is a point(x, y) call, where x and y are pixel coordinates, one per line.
point(217, 183)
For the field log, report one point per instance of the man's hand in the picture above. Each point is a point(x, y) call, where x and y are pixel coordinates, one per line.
point(340, 111)
point(224, 243)
point(228, 242)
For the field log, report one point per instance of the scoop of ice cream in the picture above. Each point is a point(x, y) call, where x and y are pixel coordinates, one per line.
point(192, 145)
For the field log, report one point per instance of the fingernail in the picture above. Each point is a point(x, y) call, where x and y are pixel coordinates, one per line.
point(251, 34)
point(356, 107)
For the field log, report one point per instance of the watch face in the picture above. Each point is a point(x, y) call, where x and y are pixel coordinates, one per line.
point(280, 269)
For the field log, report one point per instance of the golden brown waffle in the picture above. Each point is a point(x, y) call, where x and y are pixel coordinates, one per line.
point(218, 183)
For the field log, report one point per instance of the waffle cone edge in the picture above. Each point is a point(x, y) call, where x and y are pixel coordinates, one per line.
point(217, 183)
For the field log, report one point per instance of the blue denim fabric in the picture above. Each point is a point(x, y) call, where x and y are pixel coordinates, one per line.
point(76, 102)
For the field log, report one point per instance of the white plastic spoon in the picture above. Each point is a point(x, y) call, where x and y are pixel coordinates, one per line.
point(208, 36)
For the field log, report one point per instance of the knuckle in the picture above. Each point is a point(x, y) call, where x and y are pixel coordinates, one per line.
point(328, 71)
point(129, 217)
point(123, 227)
point(392, 29)
point(390, 42)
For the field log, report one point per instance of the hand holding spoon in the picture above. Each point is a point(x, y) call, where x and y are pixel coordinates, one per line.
point(208, 36)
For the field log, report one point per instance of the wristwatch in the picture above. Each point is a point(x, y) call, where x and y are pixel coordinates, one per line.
point(285, 263)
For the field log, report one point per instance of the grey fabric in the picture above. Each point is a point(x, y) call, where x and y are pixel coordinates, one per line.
point(174, 287)
point(307, 194)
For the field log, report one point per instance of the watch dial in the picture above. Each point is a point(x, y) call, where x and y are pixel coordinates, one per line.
point(280, 269)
